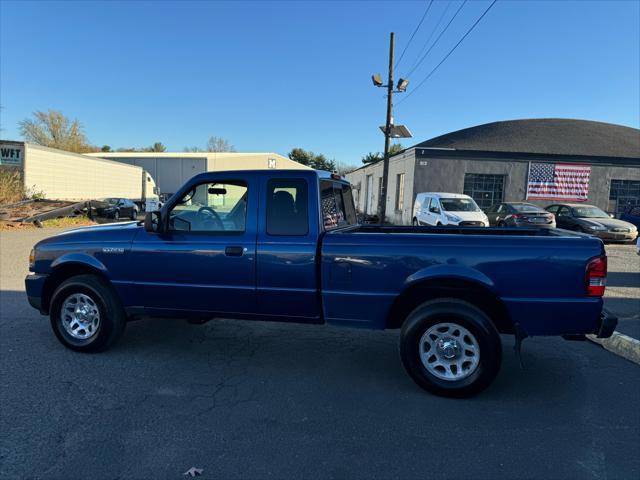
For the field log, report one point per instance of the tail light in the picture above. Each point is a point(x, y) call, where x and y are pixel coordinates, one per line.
point(515, 215)
point(596, 276)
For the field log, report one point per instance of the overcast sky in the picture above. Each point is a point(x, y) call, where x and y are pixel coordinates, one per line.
point(270, 76)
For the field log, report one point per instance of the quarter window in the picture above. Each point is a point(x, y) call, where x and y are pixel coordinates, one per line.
point(287, 207)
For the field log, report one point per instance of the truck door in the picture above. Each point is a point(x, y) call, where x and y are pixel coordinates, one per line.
point(287, 241)
point(206, 260)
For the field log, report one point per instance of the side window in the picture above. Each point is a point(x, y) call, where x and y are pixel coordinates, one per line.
point(499, 208)
point(211, 207)
point(564, 212)
point(287, 207)
point(434, 206)
point(553, 209)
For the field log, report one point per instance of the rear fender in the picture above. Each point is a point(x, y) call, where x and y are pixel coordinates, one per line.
point(448, 271)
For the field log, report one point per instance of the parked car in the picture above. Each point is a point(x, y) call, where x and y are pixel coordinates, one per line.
point(632, 215)
point(520, 214)
point(284, 245)
point(590, 219)
point(440, 209)
point(116, 208)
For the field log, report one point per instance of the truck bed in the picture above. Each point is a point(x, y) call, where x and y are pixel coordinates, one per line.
point(537, 274)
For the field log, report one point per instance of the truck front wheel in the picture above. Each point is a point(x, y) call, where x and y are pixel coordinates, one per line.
point(450, 348)
point(86, 314)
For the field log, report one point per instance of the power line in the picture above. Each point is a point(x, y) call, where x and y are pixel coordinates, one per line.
point(450, 52)
point(437, 39)
point(414, 33)
point(433, 31)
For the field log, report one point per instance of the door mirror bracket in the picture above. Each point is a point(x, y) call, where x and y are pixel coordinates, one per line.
point(152, 222)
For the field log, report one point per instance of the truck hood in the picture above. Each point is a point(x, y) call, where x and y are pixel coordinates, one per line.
point(109, 232)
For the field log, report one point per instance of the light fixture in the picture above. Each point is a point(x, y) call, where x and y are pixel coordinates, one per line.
point(376, 79)
point(402, 84)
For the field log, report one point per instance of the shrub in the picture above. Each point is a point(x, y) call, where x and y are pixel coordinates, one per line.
point(11, 185)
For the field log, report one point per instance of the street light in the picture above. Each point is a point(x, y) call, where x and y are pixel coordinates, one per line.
point(390, 130)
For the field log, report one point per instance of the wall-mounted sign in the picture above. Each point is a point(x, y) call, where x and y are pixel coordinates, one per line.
point(271, 163)
point(11, 155)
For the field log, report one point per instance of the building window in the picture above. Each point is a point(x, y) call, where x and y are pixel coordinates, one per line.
point(486, 190)
point(400, 192)
point(626, 193)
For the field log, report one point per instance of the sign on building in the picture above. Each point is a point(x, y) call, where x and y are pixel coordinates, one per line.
point(11, 155)
point(560, 181)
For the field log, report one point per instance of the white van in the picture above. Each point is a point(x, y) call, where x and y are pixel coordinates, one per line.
point(447, 209)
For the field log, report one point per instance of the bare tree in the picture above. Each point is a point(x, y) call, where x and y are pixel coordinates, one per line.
point(219, 144)
point(53, 129)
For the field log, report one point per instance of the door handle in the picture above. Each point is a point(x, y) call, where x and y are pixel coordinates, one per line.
point(234, 251)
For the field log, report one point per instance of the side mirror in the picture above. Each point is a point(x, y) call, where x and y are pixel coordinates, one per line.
point(152, 222)
point(611, 215)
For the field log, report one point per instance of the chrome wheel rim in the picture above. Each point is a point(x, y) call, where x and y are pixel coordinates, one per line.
point(449, 351)
point(80, 316)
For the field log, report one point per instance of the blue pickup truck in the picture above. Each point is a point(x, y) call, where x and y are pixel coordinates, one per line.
point(285, 246)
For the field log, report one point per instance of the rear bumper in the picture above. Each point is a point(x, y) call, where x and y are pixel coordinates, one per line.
point(34, 285)
point(608, 323)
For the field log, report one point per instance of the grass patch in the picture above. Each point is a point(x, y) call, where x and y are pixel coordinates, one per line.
point(11, 186)
point(64, 222)
point(67, 222)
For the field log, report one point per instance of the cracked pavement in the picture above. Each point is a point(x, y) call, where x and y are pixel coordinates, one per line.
point(270, 400)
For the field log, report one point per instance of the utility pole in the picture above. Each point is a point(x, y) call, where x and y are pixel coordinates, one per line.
point(382, 201)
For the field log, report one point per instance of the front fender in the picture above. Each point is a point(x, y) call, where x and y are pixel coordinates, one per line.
point(78, 258)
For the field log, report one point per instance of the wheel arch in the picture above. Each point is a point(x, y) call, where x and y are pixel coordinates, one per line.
point(64, 271)
point(467, 289)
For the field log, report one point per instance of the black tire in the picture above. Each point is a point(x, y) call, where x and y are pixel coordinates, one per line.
point(502, 225)
point(134, 214)
point(112, 315)
point(414, 222)
point(116, 215)
point(438, 224)
point(462, 314)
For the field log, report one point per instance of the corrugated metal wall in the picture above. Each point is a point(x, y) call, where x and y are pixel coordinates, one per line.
point(69, 176)
point(172, 170)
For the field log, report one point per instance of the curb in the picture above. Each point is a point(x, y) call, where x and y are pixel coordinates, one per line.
point(620, 344)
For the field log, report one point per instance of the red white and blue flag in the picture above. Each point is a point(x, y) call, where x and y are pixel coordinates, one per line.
point(562, 181)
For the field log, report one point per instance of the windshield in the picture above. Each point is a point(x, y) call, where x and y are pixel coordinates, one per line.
point(589, 212)
point(111, 201)
point(459, 205)
point(525, 207)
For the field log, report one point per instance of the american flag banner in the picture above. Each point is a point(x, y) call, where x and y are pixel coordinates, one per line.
point(564, 181)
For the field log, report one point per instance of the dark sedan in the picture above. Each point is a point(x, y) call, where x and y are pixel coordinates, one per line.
point(591, 219)
point(520, 214)
point(116, 208)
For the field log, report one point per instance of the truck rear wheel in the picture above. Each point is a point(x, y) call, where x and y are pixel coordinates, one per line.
point(86, 314)
point(450, 348)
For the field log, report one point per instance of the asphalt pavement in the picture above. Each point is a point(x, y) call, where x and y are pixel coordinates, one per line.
point(269, 400)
